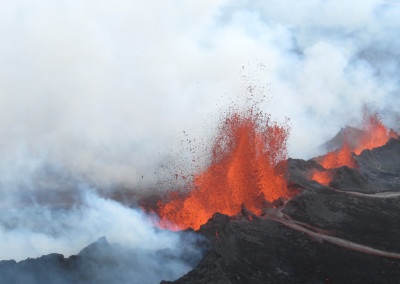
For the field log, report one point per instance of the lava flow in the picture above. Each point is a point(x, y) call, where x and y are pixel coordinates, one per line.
point(248, 166)
point(373, 134)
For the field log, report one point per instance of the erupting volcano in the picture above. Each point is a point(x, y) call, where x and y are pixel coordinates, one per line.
point(248, 166)
point(373, 134)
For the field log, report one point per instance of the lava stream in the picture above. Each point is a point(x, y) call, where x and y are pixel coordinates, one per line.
point(248, 166)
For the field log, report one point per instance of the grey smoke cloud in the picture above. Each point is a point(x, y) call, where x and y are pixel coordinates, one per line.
point(99, 93)
point(41, 229)
point(153, 254)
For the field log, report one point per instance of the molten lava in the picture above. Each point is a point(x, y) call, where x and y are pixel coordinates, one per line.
point(374, 134)
point(248, 166)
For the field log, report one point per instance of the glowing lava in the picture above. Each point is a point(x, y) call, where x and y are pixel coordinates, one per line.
point(374, 134)
point(248, 166)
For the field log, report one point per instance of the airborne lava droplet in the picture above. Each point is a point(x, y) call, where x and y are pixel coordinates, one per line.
point(248, 166)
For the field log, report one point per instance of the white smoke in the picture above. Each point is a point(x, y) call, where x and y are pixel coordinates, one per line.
point(106, 89)
point(36, 230)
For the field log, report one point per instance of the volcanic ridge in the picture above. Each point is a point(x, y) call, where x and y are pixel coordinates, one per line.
point(331, 219)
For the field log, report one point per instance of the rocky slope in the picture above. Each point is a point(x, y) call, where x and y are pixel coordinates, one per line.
point(346, 232)
point(100, 262)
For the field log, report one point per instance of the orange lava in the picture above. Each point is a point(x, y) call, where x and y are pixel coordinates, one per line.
point(247, 167)
point(322, 177)
point(374, 134)
point(339, 158)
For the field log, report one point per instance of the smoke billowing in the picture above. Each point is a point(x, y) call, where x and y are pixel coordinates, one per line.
point(105, 90)
point(140, 251)
point(98, 94)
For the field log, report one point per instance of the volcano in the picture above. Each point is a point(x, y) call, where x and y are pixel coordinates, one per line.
point(343, 231)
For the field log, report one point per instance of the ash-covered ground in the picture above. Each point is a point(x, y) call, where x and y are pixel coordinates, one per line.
point(346, 232)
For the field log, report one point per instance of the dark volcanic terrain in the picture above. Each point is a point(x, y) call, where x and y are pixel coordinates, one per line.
point(347, 232)
point(100, 262)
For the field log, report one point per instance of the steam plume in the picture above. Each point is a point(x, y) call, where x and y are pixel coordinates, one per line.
point(98, 93)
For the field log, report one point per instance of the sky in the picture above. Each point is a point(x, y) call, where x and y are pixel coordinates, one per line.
point(101, 94)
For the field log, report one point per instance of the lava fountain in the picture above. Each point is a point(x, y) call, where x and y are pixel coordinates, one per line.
point(374, 134)
point(247, 166)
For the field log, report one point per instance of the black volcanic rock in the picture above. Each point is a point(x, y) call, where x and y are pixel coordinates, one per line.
point(381, 166)
point(366, 220)
point(99, 262)
point(52, 268)
point(378, 171)
point(349, 179)
point(299, 171)
point(265, 251)
point(347, 233)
